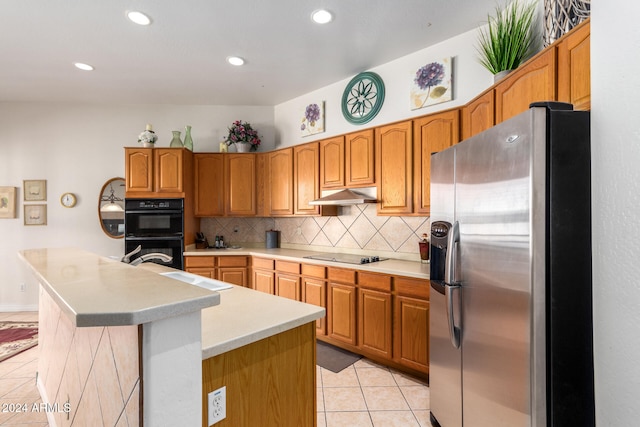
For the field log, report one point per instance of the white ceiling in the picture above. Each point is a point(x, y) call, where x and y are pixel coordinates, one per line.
point(180, 58)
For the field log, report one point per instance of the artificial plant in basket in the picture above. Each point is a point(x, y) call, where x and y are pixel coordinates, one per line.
point(509, 37)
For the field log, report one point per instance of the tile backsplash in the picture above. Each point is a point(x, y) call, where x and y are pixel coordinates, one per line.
point(356, 228)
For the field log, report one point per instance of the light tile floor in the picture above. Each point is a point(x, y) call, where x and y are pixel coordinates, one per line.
point(363, 395)
point(370, 395)
point(18, 385)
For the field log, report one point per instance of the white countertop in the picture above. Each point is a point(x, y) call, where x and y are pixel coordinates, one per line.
point(98, 291)
point(391, 266)
point(245, 316)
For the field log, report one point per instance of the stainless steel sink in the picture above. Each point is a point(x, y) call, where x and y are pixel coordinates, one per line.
point(194, 279)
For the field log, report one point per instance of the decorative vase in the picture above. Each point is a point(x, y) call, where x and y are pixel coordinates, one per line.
point(243, 147)
point(188, 142)
point(175, 141)
point(148, 137)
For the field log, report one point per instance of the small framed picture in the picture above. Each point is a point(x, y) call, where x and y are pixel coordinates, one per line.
point(7, 202)
point(35, 190)
point(35, 214)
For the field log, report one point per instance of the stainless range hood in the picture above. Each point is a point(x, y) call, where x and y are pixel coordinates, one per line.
point(344, 198)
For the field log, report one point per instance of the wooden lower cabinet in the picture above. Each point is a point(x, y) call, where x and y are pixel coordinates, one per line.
point(263, 281)
point(411, 324)
point(288, 286)
point(374, 322)
point(230, 269)
point(342, 312)
point(234, 275)
point(315, 292)
point(201, 265)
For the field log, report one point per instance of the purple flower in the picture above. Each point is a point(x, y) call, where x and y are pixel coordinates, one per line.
point(429, 75)
point(242, 132)
point(312, 113)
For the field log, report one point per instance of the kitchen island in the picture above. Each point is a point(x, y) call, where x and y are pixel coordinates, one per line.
point(123, 345)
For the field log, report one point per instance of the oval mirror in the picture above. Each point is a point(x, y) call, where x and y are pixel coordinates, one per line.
point(111, 208)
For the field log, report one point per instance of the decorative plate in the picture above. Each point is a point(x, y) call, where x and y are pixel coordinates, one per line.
point(363, 98)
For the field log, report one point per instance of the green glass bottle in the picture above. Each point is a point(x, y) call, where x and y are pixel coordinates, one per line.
point(188, 142)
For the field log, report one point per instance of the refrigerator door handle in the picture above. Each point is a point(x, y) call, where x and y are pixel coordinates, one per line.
point(451, 257)
point(454, 331)
point(452, 281)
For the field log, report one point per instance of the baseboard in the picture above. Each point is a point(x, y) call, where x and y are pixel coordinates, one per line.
point(6, 308)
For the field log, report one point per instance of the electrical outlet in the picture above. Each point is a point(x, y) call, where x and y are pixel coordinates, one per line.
point(23, 287)
point(217, 405)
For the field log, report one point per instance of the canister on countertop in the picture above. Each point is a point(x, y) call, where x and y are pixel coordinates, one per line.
point(424, 248)
point(272, 239)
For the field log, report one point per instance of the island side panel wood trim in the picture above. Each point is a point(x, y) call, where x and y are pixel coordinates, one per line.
point(270, 383)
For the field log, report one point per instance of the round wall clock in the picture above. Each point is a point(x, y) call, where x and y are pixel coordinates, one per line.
point(362, 98)
point(68, 200)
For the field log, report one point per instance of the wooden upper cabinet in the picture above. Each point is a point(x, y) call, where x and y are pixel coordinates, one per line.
point(477, 116)
point(332, 163)
point(574, 67)
point(209, 185)
point(306, 165)
point(431, 134)
point(240, 184)
point(139, 169)
point(155, 172)
point(280, 177)
point(534, 81)
point(394, 168)
point(359, 159)
point(168, 170)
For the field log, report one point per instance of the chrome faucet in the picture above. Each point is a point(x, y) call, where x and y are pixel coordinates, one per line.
point(146, 257)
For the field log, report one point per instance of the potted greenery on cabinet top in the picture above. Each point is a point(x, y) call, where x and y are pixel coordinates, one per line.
point(509, 38)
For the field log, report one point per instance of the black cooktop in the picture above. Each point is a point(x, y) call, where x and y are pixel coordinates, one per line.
point(346, 258)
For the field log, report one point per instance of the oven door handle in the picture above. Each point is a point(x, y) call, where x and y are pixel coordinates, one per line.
point(154, 212)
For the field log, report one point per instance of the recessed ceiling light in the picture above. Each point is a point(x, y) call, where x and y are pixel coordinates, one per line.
point(235, 60)
point(82, 66)
point(321, 16)
point(138, 17)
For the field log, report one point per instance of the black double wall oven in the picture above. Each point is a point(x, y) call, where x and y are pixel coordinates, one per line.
point(158, 226)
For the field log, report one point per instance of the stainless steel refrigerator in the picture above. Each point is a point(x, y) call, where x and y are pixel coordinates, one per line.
point(511, 307)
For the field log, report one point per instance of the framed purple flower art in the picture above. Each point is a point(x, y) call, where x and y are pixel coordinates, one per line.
point(312, 119)
point(431, 84)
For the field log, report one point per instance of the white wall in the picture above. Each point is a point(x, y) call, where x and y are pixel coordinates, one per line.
point(77, 148)
point(615, 142)
point(469, 80)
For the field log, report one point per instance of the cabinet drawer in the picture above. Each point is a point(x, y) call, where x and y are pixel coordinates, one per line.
point(381, 282)
point(341, 275)
point(418, 288)
point(199, 261)
point(232, 261)
point(318, 271)
point(288, 267)
point(263, 263)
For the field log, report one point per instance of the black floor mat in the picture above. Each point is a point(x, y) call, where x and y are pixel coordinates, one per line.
point(333, 358)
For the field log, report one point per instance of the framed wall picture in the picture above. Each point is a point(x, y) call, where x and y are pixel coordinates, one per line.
point(313, 119)
point(432, 84)
point(7, 202)
point(35, 214)
point(35, 190)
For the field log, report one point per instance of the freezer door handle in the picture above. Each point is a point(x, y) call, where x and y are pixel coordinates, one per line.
point(451, 257)
point(454, 331)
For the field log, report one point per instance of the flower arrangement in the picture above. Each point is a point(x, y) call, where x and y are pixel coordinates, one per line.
point(147, 137)
point(243, 132)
